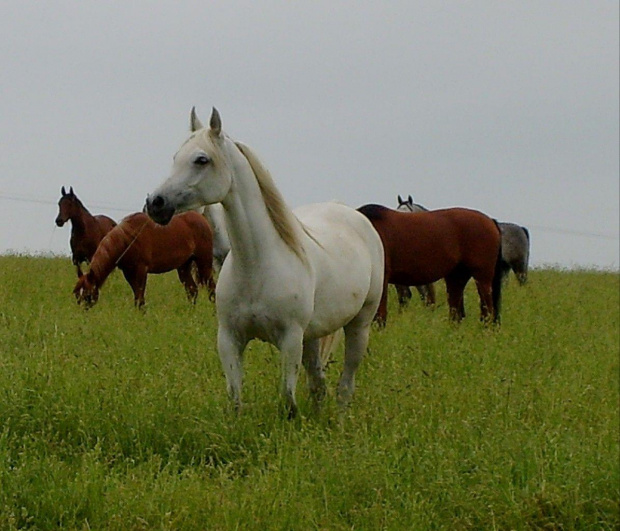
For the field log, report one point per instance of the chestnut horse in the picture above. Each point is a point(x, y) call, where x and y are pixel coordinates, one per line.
point(86, 230)
point(455, 244)
point(138, 246)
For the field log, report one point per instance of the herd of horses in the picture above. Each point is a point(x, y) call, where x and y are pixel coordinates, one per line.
point(292, 278)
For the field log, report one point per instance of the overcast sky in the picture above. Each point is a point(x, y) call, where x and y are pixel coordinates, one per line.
point(507, 107)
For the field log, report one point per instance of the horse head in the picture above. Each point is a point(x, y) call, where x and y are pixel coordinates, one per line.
point(86, 291)
point(66, 206)
point(201, 172)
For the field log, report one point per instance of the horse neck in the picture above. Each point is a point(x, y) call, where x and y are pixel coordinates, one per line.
point(82, 221)
point(107, 255)
point(252, 234)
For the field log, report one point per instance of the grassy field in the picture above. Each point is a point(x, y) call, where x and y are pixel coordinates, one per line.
point(118, 419)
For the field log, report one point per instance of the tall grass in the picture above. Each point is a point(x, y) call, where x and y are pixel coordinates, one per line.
point(114, 418)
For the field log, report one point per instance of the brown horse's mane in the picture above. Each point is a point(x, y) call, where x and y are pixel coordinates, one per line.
point(114, 245)
point(78, 202)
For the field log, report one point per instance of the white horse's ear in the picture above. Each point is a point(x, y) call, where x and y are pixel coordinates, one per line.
point(216, 122)
point(194, 122)
point(410, 200)
point(400, 200)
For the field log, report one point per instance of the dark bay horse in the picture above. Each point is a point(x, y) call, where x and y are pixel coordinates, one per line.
point(139, 246)
point(86, 230)
point(455, 244)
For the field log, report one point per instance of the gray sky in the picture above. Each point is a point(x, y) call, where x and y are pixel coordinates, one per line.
point(507, 107)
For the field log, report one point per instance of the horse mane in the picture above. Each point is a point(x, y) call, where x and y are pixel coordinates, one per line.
point(373, 212)
point(114, 245)
point(78, 201)
point(281, 216)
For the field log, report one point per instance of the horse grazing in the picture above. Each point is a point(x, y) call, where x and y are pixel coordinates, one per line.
point(516, 249)
point(454, 244)
point(290, 278)
point(426, 291)
point(139, 247)
point(86, 230)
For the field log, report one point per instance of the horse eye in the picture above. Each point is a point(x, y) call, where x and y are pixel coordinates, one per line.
point(201, 160)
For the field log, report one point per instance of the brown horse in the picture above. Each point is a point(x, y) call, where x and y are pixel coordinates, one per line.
point(86, 230)
point(138, 246)
point(455, 244)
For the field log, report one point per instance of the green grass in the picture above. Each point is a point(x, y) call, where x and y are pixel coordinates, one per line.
point(114, 418)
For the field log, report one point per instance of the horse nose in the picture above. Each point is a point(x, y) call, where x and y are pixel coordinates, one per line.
point(158, 209)
point(59, 222)
point(158, 201)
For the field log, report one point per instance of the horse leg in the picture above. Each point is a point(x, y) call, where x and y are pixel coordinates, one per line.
point(185, 276)
point(404, 295)
point(76, 263)
point(137, 280)
point(521, 273)
point(381, 315)
point(355, 344)
point(313, 364)
point(455, 286)
point(485, 292)
point(230, 350)
point(204, 269)
point(430, 294)
point(290, 345)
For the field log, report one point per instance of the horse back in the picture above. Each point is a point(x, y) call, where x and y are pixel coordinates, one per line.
point(423, 247)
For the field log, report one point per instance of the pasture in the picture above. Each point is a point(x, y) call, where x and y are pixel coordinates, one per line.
point(114, 418)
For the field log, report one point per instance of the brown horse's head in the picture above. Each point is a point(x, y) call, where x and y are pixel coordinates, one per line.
point(86, 291)
point(68, 206)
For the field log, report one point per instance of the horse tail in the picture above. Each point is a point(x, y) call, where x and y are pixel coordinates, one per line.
point(501, 269)
point(527, 233)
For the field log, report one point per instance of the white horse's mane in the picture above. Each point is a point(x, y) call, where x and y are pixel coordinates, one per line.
point(281, 216)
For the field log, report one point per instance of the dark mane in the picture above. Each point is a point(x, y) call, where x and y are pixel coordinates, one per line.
point(372, 211)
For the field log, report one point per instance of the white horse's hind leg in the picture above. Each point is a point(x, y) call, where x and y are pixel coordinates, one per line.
point(356, 342)
point(230, 350)
point(314, 368)
point(290, 346)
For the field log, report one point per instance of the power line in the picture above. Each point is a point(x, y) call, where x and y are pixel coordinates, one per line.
point(556, 230)
point(48, 202)
point(572, 232)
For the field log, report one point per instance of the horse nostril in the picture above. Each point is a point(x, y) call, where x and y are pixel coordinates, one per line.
point(158, 201)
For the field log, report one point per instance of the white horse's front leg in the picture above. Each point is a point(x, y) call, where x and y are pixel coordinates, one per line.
point(291, 348)
point(230, 350)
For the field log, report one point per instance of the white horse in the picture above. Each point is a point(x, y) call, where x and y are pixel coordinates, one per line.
point(290, 278)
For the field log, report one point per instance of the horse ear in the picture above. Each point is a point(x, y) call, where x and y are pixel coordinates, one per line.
point(400, 200)
point(71, 190)
point(216, 122)
point(410, 200)
point(62, 191)
point(194, 122)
